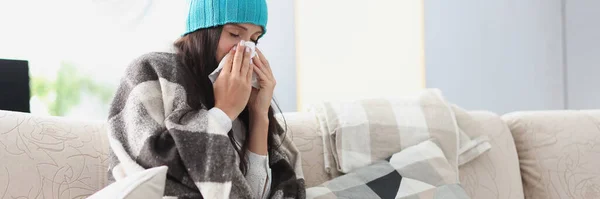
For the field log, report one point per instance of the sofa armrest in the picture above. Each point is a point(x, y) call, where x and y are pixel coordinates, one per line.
point(558, 152)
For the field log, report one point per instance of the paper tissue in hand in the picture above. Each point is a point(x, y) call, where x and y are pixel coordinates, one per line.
point(213, 76)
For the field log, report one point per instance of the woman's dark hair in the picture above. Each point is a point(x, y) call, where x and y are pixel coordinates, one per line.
point(196, 52)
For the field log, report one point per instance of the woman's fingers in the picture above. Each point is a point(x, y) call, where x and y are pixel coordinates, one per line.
point(246, 62)
point(250, 72)
point(264, 61)
point(257, 61)
point(261, 74)
point(262, 57)
point(239, 58)
point(228, 61)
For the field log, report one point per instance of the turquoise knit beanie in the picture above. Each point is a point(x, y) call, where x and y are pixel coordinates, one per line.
point(211, 13)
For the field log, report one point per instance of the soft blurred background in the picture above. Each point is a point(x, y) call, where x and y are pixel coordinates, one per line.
point(501, 55)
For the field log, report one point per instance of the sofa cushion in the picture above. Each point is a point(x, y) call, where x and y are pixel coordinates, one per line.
point(494, 174)
point(559, 153)
point(146, 184)
point(419, 171)
point(51, 157)
point(359, 132)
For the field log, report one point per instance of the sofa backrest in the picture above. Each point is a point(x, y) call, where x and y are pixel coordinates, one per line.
point(559, 152)
point(51, 157)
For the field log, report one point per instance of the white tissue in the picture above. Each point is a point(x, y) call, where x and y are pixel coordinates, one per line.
point(213, 76)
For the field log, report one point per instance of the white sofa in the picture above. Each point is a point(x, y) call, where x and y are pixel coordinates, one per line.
point(549, 154)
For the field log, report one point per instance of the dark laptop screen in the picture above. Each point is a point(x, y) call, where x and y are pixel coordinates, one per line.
point(14, 85)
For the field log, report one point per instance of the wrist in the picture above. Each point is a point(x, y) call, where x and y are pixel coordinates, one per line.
point(228, 112)
point(259, 116)
point(259, 122)
point(259, 134)
point(259, 112)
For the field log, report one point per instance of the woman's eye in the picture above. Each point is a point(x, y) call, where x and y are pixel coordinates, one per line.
point(234, 35)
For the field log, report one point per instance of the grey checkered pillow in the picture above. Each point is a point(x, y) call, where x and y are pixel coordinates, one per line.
point(417, 172)
point(358, 133)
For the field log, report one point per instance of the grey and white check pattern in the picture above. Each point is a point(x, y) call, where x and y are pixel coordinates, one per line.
point(357, 133)
point(151, 125)
point(417, 172)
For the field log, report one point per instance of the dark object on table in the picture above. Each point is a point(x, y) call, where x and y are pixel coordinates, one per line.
point(14, 85)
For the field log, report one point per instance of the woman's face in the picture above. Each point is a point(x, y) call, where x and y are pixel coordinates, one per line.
point(233, 33)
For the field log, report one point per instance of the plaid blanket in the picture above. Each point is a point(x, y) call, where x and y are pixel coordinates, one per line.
point(151, 124)
point(418, 172)
point(358, 133)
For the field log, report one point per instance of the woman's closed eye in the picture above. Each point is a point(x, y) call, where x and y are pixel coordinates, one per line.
point(238, 36)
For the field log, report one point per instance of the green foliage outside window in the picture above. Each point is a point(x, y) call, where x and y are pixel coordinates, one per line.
point(65, 92)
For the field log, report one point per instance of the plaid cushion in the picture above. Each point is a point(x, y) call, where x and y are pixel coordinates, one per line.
point(358, 133)
point(420, 171)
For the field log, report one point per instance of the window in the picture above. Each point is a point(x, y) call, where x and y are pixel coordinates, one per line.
point(78, 50)
point(358, 49)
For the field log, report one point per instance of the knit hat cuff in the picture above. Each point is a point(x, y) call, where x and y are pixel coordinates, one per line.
point(212, 13)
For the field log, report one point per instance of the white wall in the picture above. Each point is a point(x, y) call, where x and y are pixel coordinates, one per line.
point(496, 55)
point(583, 53)
point(280, 48)
point(358, 49)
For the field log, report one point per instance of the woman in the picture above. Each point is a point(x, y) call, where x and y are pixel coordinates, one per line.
point(167, 112)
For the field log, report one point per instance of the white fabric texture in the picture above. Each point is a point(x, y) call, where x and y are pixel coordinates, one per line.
point(221, 118)
point(259, 174)
point(147, 184)
point(213, 76)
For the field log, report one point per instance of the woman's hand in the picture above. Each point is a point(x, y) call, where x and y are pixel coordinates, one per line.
point(260, 99)
point(259, 105)
point(233, 86)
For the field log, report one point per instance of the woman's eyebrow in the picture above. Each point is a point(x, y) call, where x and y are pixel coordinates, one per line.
point(244, 28)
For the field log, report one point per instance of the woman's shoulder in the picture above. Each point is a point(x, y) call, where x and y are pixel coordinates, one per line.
point(157, 56)
point(152, 66)
point(155, 61)
point(153, 75)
